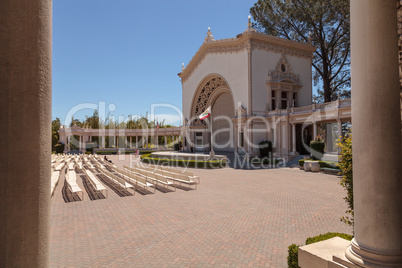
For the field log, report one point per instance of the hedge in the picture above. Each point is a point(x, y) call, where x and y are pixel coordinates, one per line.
point(146, 158)
point(124, 152)
point(323, 164)
point(293, 255)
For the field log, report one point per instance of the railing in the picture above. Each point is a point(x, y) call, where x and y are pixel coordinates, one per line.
point(311, 108)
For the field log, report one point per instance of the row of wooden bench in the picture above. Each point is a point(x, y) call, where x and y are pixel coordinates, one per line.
point(129, 178)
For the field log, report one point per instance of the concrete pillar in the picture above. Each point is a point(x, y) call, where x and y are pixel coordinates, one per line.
point(69, 142)
point(294, 138)
point(103, 142)
point(142, 140)
point(25, 101)
point(156, 141)
point(79, 143)
point(377, 183)
point(339, 128)
point(314, 130)
point(136, 141)
point(84, 138)
point(131, 141)
point(165, 141)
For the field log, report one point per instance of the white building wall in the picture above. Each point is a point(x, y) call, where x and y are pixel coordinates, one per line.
point(263, 62)
point(233, 67)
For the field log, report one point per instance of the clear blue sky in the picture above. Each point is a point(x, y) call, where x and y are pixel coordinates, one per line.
point(128, 53)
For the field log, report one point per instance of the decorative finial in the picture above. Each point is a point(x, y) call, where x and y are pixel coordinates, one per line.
point(182, 66)
point(209, 37)
point(250, 25)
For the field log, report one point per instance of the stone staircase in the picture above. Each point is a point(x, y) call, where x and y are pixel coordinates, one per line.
point(295, 161)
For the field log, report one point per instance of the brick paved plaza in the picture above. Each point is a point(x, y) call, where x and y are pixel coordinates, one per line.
point(235, 218)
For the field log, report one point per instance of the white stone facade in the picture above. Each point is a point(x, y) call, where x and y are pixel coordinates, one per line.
point(250, 79)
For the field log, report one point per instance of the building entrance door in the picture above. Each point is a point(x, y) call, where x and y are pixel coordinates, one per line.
point(199, 145)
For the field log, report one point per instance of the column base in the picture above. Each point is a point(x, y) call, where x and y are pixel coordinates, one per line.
point(366, 257)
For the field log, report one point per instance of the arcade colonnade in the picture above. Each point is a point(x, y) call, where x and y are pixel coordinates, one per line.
point(25, 53)
point(286, 128)
point(118, 138)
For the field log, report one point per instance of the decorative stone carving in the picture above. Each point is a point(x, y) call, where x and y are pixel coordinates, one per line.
point(241, 111)
point(248, 40)
point(283, 71)
point(209, 37)
point(205, 93)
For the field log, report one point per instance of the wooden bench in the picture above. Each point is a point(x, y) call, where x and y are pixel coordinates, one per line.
point(190, 175)
point(136, 179)
point(155, 178)
point(71, 166)
point(71, 179)
point(335, 171)
point(59, 167)
point(120, 181)
point(95, 182)
point(54, 181)
point(178, 177)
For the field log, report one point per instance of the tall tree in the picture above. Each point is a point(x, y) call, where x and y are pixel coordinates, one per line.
point(325, 22)
point(55, 131)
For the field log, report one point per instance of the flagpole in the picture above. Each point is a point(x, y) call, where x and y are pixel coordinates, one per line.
point(212, 153)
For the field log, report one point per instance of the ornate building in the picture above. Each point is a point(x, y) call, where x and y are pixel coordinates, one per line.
point(259, 88)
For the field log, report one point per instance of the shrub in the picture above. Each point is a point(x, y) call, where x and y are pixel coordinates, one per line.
point(90, 146)
point(265, 148)
point(323, 164)
point(317, 148)
point(182, 162)
point(345, 164)
point(59, 148)
point(326, 236)
point(176, 146)
point(293, 256)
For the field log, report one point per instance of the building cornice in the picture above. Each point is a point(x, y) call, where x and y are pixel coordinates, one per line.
point(247, 40)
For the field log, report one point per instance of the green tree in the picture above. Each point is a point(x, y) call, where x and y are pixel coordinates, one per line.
point(55, 132)
point(326, 23)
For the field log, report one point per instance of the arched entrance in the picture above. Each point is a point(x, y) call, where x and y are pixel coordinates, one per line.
point(213, 91)
point(222, 115)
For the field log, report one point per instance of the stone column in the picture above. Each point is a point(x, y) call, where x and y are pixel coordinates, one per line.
point(142, 140)
point(165, 141)
point(377, 183)
point(84, 139)
point(157, 141)
point(103, 142)
point(69, 142)
point(136, 141)
point(131, 141)
point(314, 130)
point(79, 143)
point(293, 137)
point(25, 101)
point(339, 128)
